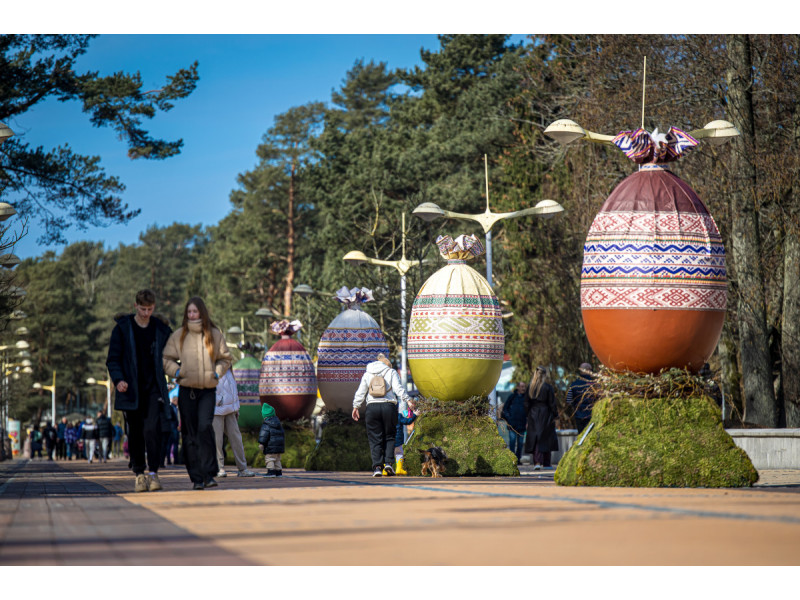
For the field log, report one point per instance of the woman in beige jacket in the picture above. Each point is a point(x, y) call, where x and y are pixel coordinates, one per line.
point(197, 356)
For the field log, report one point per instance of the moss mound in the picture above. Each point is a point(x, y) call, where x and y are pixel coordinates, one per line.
point(343, 446)
point(300, 443)
point(671, 441)
point(473, 445)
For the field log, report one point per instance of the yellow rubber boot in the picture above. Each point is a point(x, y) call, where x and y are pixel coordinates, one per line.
point(400, 468)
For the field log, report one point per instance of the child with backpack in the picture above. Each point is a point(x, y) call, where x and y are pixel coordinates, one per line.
point(271, 441)
point(381, 388)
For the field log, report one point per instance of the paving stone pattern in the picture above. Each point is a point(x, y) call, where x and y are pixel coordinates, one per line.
point(50, 515)
point(73, 513)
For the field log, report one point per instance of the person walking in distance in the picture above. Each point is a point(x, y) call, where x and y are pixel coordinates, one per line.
point(50, 436)
point(117, 441)
point(381, 387)
point(541, 410)
point(197, 356)
point(516, 418)
point(226, 422)
point(105, 430)
point(61, 439)
point(90, 435)
point(135, 366)
point(581, 396)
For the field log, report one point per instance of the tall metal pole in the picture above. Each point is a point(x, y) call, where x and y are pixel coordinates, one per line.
point(493, 393)
point(403, 351)
point(108, 395)
point(403, 347)
point(53, 391)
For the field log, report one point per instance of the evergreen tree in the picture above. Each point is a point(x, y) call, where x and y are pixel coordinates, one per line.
point(59, 187)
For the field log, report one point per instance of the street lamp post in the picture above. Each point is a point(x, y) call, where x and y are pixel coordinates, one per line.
point(306, 291)
point(107, 383)
point(52, 390)
point(264, 313)
point(428, 211)
point(402, 266)
point(22, 346)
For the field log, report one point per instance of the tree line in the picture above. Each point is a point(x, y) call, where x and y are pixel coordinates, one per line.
point(338, 175)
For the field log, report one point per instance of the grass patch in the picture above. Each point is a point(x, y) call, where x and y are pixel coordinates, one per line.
point(641, 439)
point(300, 443)
point(467, 434)
point(343, 446)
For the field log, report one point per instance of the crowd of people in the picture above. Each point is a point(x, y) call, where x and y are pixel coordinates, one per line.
point(143, 353)
point(530, 414)
point(82, 439)
point(189, 428)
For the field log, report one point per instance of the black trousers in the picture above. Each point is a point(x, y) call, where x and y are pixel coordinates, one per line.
point(144, 435)
point(61, 449)
point(197, 432)
point(381, 421)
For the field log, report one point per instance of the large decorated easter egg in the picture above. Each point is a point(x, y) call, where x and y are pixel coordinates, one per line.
point(653, 283)
point(455, 334)
point(288, 382)
point(351, 341)
point(245, 372)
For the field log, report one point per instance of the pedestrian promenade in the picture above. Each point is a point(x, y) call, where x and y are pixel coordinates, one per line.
point(73, 513)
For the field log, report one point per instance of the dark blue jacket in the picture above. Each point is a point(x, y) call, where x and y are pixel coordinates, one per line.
point(514, 412)
point(402, 421)
point(121, 361)
point(104, 427)
point(271, 436)
point(581, 396)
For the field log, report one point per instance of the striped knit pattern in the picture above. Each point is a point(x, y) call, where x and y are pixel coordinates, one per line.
point(246, 373)
point(351, 341)
point(462, 320)
point(287, 369)
point(660, 258)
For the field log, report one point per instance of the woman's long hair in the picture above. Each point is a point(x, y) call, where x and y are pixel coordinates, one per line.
point(537, 381)
point(205, 319)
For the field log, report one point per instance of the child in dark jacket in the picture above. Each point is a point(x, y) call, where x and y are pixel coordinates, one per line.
point(271, 441)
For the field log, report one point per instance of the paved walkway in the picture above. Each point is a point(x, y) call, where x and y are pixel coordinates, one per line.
point(72, 513)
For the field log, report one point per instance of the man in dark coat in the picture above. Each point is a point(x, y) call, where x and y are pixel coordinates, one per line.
point(134, 363)
point(50, 436)
point(105, 431)
point(515, 416)
point(581, 396)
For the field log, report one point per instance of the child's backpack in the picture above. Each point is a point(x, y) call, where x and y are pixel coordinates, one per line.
point(377, 386)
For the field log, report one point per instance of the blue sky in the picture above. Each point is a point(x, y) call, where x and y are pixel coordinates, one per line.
point(245, 80)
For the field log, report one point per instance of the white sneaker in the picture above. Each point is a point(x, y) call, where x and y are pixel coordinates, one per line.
point(222, 473)
point(245, 473)
point(537, 467)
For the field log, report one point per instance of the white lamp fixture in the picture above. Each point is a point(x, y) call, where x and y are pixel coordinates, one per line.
point(565, 131)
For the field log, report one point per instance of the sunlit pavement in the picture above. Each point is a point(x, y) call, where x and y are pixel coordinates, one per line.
point(73, 513)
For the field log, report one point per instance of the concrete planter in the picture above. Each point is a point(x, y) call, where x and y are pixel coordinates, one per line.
point(766, 448)
point(566, 437)
point(769, 448)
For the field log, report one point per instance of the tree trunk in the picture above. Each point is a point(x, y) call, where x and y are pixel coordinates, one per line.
point(759, 394)
point(790, 327)
point(287, 293)
point(731, 377)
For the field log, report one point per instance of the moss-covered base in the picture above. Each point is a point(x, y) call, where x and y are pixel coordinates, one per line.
point(659, 442)
point(300, 443)
point(473, 446)
point(343, 447)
